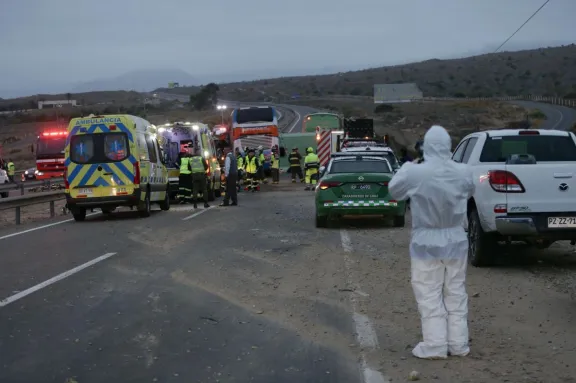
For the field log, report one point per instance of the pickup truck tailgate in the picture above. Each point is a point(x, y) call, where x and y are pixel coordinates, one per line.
point(549, 187)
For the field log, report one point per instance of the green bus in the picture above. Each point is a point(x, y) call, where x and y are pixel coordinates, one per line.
point(323, 120)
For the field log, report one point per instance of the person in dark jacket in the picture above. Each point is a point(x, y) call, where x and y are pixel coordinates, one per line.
point(231, 173)
point(405, 157)
point(295, 159)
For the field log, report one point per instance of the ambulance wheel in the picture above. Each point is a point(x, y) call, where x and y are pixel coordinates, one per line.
point(79, 214)
point(211, 196)
point(321, 221)
point(144, 206)
point(165, 205)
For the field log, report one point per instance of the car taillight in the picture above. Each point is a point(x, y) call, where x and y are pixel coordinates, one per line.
point(504, 181)
point(385, 183)
point(137, 173)
point(329, 184)
point(66, 183)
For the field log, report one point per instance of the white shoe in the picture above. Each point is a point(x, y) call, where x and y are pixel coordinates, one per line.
point(424, 351)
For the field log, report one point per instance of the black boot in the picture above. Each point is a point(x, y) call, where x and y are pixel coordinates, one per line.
point(206, 205)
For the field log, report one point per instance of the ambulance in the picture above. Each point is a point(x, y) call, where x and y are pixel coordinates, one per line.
point(185, 137)
point(112, 161)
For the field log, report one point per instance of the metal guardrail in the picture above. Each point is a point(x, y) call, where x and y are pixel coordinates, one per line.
point(33, 199)
point(33, 186)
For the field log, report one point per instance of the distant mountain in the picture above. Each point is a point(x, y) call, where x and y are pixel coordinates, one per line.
point(139, 80)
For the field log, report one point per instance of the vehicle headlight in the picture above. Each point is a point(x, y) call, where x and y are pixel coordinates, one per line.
point(206, 153)
point(26, 172)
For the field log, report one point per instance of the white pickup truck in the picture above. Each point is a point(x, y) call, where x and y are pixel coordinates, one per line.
point(525, 189)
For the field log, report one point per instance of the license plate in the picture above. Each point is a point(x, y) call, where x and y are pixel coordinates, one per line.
point(360, 187)
point(559, 222)
point(86, 191)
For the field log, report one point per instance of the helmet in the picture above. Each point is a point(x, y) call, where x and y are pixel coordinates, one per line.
point(260, 147)
point(309, 150)
point(295, 148)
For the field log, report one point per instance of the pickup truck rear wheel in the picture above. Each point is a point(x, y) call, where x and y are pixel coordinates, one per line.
point(481, 245)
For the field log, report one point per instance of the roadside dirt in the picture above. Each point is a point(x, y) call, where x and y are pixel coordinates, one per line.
point(521, 319)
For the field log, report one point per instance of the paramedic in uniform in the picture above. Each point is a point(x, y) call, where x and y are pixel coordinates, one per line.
point(231, 173)
point(199, 167)
point(262, 160)
point(184, 179)
point(275, 165)
point(311, 165)
point(295, 166)
point(251, 165)
point(240, 165)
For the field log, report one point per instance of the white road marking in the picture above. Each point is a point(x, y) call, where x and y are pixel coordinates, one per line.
point(561, 118)
point(197, 214)
point(42, 227)
point(365, 333)
point(55, 279)
point(298, 117)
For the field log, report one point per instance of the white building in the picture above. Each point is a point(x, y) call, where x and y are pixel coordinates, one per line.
point(56, 104)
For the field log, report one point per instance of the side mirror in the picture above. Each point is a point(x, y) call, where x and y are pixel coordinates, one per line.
point(322, 170)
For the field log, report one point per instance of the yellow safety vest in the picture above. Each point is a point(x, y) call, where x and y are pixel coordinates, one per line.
point(197, 165)
point(251, 165)
point(311, 161)
point(185, 165)
point(240, 161)
point(11, 168)
point(275, 162)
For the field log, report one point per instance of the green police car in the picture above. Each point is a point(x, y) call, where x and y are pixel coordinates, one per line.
point(356, 185)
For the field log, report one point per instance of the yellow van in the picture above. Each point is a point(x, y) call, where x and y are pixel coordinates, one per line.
point(111, 161)
point(181, 137)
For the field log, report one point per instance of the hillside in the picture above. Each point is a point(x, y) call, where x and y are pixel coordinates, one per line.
point(545, 72)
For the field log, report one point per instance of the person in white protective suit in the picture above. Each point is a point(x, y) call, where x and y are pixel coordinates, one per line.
point(438, 189)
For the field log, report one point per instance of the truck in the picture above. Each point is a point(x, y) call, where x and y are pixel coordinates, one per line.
point(525, 184)
point(50, 147)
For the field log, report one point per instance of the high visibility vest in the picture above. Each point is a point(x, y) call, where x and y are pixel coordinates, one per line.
point(240, 161)
point(11, 168)
point(251, 164)
point(197, 164)
point(311, 161)
point(262, 158)
point(185, 165)
point(275, 161)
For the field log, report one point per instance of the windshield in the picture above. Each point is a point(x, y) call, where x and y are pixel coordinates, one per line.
point(360, 166)
point(254, 115)
point(51, 147)
point(543, 148)
point(99, 148)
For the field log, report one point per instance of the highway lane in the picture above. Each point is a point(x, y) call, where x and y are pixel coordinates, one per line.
point(559, 117)
point(231, 295)
point(256, 293)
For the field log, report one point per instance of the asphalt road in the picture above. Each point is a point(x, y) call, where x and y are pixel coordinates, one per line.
point(559, 117)
point(256, 293)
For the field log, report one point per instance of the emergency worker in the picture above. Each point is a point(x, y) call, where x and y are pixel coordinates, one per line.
point(295, 165)
point(231, 172)
point(275, 165)
point(240, 165)
point(11, 170)
point(184, 179)
point(439, 190)
point(311, 165)
point(262, 160)
point(251, 165)
point(199, 167)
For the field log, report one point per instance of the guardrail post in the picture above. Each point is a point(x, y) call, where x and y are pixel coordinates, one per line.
point(51, 209)
point(17, 215)
point(22, 188)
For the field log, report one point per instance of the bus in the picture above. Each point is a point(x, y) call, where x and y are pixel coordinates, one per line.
point(328, 121)
point(254, 126)
point(50, 148)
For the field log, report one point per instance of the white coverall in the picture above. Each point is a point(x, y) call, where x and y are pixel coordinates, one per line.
point(439, 189)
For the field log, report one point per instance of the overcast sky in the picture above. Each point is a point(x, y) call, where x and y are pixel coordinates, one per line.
point(65, 41)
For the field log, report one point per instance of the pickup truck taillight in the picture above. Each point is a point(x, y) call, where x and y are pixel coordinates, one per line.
point(503, 181)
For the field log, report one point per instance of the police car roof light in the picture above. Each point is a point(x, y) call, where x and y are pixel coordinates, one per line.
point(528, 133)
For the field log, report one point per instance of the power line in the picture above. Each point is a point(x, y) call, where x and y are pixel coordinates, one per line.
point(521, 26)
